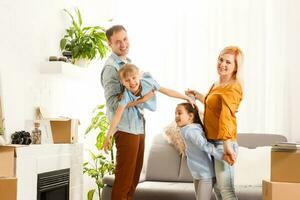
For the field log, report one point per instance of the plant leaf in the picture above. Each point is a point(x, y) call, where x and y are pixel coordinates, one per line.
point(90, 194)
point(63, 43)
point(79, 17)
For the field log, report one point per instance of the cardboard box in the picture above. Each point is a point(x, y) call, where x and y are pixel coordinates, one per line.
point(8, 188)
point(280, 191)
point(64, 130)
point(285, 166)
point(7, 159)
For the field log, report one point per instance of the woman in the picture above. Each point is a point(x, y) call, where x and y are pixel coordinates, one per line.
point(220, 105)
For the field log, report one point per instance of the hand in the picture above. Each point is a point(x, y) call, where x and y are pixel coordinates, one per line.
point(145, 98)
point(190, 92)
point(196, 94)
point(131, 104)
point(228, 159)
point(228, 151)
point(191, 101)
point(107, 144)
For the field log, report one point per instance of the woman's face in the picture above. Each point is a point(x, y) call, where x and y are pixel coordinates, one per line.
point(182, 117)
point(226, 65)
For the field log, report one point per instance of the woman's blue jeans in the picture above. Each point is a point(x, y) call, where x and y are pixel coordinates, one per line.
point(224, 189)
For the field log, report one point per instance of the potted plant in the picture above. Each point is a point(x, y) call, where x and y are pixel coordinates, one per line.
point(99, 164)
point(84, 43)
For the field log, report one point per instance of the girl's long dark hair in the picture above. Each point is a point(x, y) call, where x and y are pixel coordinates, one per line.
point(194, 110)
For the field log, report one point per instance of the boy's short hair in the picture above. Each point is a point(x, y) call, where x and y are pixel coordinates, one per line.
point(127, 69)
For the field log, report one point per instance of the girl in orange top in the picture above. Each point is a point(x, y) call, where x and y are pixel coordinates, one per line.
point(220, 105)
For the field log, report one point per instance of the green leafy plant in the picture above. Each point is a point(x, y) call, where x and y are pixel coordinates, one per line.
point(100, 164)
point(84, 42)
point(96, 169)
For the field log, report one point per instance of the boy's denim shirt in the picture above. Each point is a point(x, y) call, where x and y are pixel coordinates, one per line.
point(132, 120)
point(148, 84)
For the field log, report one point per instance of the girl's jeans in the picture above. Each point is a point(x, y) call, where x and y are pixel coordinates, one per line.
point(224, 189)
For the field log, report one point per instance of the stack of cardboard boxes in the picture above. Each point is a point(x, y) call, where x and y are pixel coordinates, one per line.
point(285, 174)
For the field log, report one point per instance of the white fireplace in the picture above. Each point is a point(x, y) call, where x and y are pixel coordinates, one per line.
point(36, 159)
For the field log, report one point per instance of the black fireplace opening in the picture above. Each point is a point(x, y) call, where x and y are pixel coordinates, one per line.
point(53, 185)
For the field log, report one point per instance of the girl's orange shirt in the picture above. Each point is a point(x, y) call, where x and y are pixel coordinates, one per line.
point(221, 105)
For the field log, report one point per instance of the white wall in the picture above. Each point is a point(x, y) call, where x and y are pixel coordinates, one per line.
point(292, 51)
point(30, 33)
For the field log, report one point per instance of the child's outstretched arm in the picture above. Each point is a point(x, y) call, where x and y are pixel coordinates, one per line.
point(114, 123)
point(175, 94)
point(145, 98)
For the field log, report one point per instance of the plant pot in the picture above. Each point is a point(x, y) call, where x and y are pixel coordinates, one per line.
point(82, 62)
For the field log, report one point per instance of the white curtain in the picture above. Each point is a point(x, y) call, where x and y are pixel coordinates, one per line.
point(179, 41)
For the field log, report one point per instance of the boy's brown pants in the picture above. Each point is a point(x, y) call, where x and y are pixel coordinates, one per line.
point(129, 163)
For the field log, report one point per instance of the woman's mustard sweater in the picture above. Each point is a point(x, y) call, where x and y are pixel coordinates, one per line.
point(221, 104)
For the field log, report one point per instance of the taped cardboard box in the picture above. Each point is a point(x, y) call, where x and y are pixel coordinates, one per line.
point(64, 130)
point(8, 188)
point(7, 160)
point(285, 166)
point(280, 190)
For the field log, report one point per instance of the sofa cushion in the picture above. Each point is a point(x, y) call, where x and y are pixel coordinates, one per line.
point(256, 164)
point(150, 190)
point(253, 140)
point(109, 180)
point(184, 173)
point(163, 161)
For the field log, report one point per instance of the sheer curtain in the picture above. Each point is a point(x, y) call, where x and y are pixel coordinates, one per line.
point(179, 41)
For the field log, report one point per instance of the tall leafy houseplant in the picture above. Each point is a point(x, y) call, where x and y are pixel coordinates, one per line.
point(84, 42)
point(100, 165)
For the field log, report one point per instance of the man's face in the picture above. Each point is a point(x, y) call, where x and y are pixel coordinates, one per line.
point(119, 43)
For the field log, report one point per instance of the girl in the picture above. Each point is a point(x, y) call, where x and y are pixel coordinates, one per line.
point(198, 150)
point(138, 91)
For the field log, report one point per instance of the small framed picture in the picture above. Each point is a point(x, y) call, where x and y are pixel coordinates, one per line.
point(44, 127)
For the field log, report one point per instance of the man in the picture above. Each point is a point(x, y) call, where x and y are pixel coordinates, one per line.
point(129, 136)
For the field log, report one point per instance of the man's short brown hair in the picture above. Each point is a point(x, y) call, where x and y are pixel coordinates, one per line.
point(112, 30)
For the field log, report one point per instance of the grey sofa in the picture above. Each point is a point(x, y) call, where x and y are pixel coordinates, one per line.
point(166, 176)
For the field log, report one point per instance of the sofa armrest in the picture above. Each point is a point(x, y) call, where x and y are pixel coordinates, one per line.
point(109, 180)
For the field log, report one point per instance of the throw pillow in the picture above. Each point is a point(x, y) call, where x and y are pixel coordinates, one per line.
point(173, 135)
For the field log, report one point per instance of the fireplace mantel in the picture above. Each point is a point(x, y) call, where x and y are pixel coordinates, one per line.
point(36, 159)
